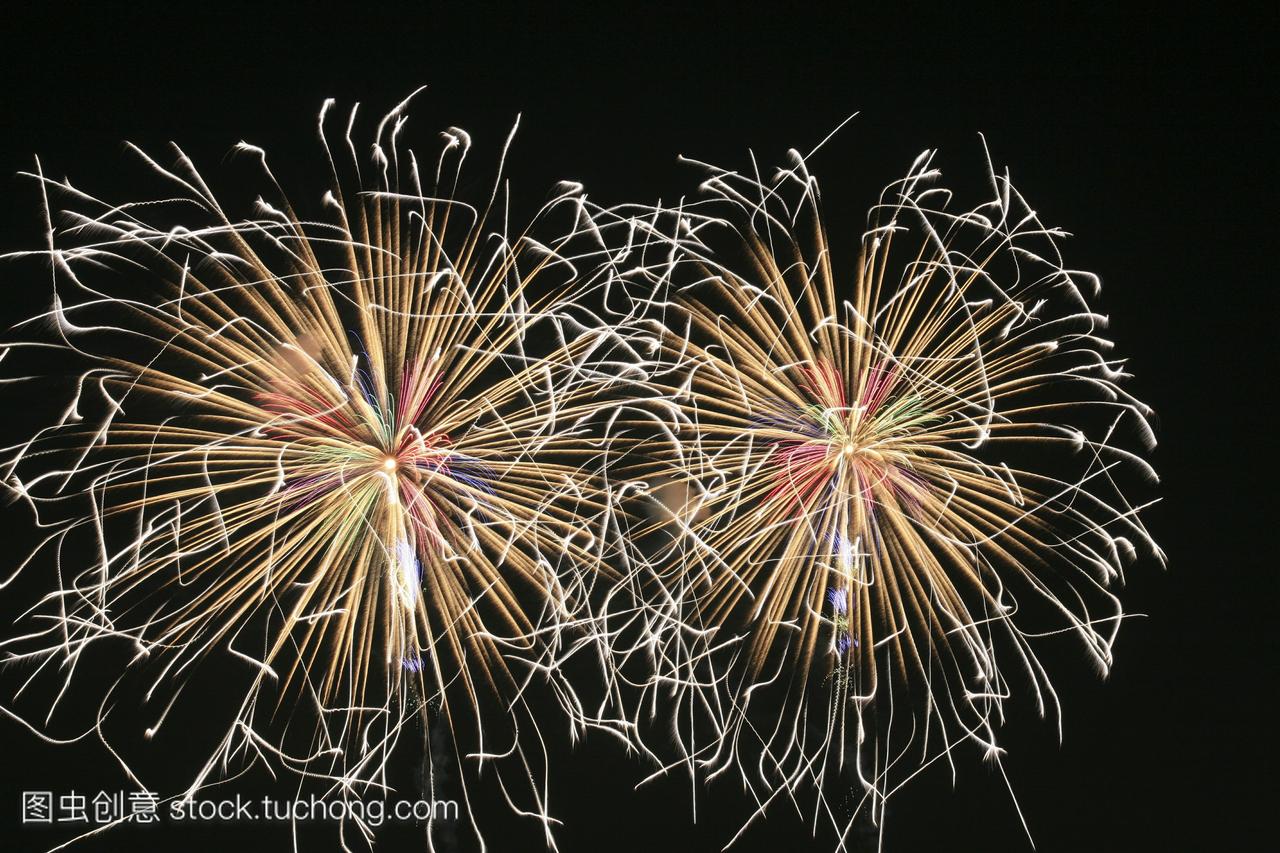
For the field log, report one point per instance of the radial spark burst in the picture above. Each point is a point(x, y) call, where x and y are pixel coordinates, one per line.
point(894, 479)
point(357, 454)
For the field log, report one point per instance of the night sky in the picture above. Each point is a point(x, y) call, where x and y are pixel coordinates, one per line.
point(1148, 137)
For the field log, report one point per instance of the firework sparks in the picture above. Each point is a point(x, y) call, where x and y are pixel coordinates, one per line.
point(898, 478)
point(334, 449)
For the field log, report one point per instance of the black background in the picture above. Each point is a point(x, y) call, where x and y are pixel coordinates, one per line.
point(1147, 135)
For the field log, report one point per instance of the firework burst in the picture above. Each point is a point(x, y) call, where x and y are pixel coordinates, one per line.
point(357, 454)
point(893, 481)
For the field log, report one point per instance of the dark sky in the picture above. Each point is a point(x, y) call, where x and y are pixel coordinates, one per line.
point(1149, 137)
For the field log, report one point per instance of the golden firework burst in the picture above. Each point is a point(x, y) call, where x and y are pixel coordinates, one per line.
point(896, 478)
